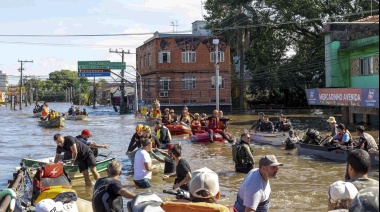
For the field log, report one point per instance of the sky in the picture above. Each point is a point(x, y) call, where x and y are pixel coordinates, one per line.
point(78, 17)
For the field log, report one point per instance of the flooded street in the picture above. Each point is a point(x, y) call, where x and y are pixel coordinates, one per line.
point(302, 182)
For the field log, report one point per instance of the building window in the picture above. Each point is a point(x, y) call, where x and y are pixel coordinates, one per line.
point(221, 82)
point(145, 61)
point(165, 83)
point(149, 59)
point(366, 66)
point(188, 57)
point(221, 56)
point(164, 57)
point(188, 83)
point(141, 62)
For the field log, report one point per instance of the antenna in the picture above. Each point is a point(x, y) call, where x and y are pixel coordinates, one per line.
point(202, 4)
point(174, 26)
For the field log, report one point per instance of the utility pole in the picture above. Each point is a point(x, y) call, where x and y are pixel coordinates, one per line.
point(94, 101)
point(216, 43)
point(21, 69)
point(123, 107)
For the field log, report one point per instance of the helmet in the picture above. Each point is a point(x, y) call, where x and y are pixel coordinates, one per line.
point(139, 127)
point(147, 129)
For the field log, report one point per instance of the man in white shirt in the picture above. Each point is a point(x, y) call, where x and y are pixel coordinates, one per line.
point(143, 165)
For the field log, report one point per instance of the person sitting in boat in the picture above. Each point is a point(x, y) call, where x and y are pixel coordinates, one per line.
point(204, 119)
point(84, 136)
point(266, 126)
point(284, 124)
point(170, 166)
point(343, 137)
point(290, 142)
point(242, 154)
point(70, 112)
point(223, 124)
point(45, 111)
point(78, 111)
point(213, 127)
point(147, 133)
point(166, 118)
point(84, 112)
point(163, 135)
point(333, 126)
point(173, 117)
point(183, 170)
point(185, 120)
point(366, 141)
point(257, 124)
point(109, 192)
point(204, 192)
point(51, 114)
point(185, 112)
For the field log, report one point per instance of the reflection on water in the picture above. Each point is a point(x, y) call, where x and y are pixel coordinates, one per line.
point(302, 182)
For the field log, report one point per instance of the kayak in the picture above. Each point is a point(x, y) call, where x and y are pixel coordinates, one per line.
point(178, 129)
point(269, 138)
point(331, 153)
point(204, 137)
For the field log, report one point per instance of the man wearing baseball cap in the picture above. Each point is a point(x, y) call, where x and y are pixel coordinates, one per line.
point(333, 126)
point(255, 190)
point(84, 136)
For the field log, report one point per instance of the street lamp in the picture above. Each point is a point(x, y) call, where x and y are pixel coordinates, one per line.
point(216, 43)
point(140, 79)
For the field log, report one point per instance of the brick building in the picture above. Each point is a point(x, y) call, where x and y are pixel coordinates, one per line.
point(179, 70)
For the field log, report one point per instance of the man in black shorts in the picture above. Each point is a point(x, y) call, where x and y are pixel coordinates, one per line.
point(80, 153)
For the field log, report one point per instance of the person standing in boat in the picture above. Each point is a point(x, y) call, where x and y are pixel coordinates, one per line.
point(333, 126)
point(80, 153)
point(266, 126)
point(109, 192)
point(259, 122)
point(366, 141)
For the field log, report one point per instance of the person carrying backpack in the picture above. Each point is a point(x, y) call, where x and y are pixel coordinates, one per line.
point(242, 155)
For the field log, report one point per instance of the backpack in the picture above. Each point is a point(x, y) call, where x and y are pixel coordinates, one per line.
point(238, 153)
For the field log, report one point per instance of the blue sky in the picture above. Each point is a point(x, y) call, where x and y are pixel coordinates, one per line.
point(64, 17)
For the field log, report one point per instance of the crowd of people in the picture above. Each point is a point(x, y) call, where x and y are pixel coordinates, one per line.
point(355, 193)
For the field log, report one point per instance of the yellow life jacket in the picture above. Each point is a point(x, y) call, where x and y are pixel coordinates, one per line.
point(158, 135)
point(52, 116)
point(193, 206)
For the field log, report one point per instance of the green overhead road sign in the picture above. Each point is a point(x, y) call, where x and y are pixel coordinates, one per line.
point(93, 64)
point(117, 65)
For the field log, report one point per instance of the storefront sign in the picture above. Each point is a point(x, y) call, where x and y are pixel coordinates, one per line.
point(358, 97)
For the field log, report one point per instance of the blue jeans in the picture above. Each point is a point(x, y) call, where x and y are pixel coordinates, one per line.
point(144, 183)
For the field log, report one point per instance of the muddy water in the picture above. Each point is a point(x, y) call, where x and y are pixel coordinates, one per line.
point(302, 182)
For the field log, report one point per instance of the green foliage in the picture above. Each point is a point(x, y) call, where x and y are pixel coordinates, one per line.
point(277, 76)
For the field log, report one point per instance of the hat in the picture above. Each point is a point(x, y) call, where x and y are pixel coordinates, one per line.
point(269, 160)
point(366, 200)
point(86, 132)
point(204, 179)
point(170, 146)
point(47, 205)
point(331, 119)
point(342, 190)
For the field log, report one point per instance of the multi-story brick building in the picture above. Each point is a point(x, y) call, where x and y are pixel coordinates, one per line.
point(179, 70)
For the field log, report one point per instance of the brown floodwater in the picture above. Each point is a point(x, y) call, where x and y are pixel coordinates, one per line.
point(302, 182)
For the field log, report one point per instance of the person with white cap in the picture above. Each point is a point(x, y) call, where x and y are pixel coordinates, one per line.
point(340, 195)
point(204, 192)
point(255, 189)
point(48, 205)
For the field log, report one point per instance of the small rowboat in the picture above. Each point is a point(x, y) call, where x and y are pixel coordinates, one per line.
point(269, 138)
point(205, 137)
point(77, 117)
point(72, 170)
point(331, 153)
point(56, 122)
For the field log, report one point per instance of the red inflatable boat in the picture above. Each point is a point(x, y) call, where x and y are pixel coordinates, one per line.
point(204, 137)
